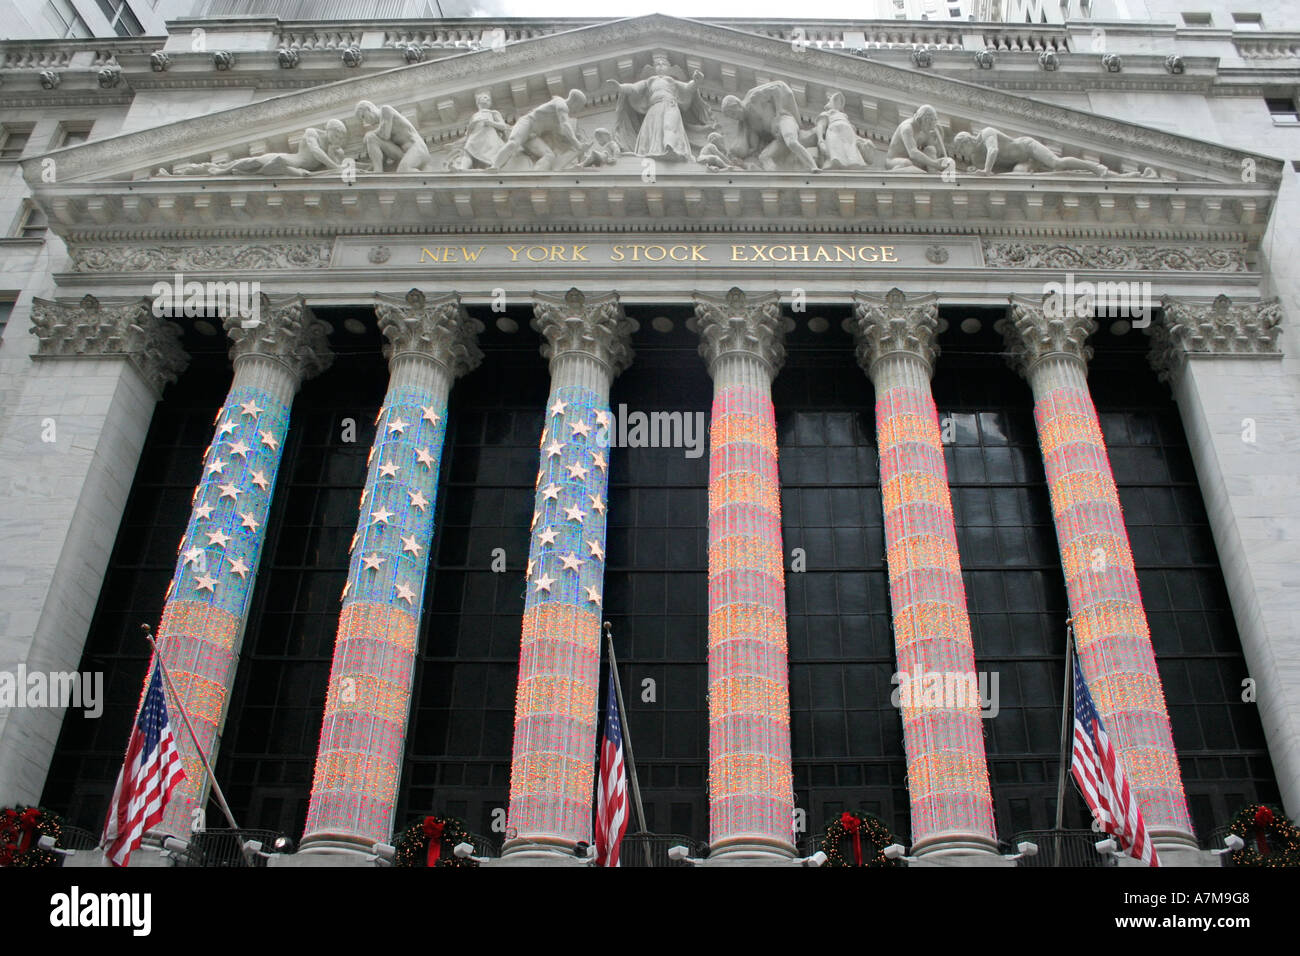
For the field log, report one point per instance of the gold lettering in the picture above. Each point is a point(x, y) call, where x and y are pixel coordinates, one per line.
point(537, 253)
point(514, 252)
point(760, 253)
point(697, 254)
point(468, 256)
point(784, 258)
point(738, 254)
point(845, 252)
point(557, 254)
point(649, 250)
point(822, 255)
point(425, 252)
point(888, 254)
point(798, 253)
point(616, 254)
point(863, 257)
point(677, 253)
point(578, 254)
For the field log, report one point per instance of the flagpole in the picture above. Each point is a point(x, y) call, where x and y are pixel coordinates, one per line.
point(185, 718)
point(627, 738)
point(1067, 721)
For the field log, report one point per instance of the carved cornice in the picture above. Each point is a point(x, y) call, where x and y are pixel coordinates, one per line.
point(1218, 327)
point(740, 323)
point(280, 329)
point(594, 326)
point(1035, 330)
point(439, 328)
point(1052, 255)
point(94, 329)
point(894, 323)
point(251, 256)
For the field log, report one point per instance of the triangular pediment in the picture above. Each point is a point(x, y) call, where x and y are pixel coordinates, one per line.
point(439, 99)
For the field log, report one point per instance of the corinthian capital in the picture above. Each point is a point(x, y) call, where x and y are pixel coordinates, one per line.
point(1036, 329)
point(894, 323)
point(594, 326)
point(439, 328)
point(740, 323)
point(118, 327)
point(281, 330)
point(1220, 327)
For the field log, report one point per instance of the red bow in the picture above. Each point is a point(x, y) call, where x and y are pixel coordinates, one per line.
point(433, 830)
point(1263, 817)
point(853, 825)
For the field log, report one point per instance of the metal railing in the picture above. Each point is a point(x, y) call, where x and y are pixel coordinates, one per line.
point(76, 838)
point(225, 848)
point(1062, 848)
point(651, 849)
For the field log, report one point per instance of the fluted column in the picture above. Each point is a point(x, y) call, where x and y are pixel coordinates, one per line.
point(208, 598)
point(1222, 361)
point(587, 343)
point(1110, 625)
point(359, 760)
point(751, 786)
point(947, 774)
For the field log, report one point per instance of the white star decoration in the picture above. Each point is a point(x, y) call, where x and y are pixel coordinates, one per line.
point(229, 491)
point(544, 583)
point(580, 428)
point(398, 426)
point(575, 514)
point(381, 516)
point(596, 550)
point(226, 428)
point(551, 492)
point(547, 536)
point(251, 523)
point(217, 467)
point(593, 595)
point(571, 561)
point(205, 583)
point(239, 567)
point(372, 562)
point(430, 415)
point(559, 407)
point(405, 594)
point(218, 538)
point(269, 440)
point(424, 457)
point(203, 512)
point(602, 418)
point(598, 460)
point(250, 407)
point(577, 471)
point(259, 478)
point(418, 500)
point(388, 470)
point(240, 449)
point(596, 503)
point(410, 544)
point(192, 555)
point(553, 449)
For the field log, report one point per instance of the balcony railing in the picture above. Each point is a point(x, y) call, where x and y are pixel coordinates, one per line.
point(1063, 848)
point(651, 849)
point(225, 848)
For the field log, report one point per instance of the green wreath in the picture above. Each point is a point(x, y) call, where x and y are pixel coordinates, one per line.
point(431, 841)
point(872, 837)
point(1271, 838)
point(21, 829)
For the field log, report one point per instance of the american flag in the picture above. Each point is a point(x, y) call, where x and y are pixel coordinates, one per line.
point(1098, 772)
point(611, 793)
point(151, 771)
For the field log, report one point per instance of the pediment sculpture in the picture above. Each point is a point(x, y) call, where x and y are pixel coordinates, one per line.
point(663, 117)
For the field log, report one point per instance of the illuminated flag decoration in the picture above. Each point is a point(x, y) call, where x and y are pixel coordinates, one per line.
point(144, 785)
point(1099, 774)
point(611, 794)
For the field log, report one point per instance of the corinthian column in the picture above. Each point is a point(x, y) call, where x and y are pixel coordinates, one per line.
point(1222, 360)
point(948, 779)
point(1110, 624)
point(208, 598)
point(587, 342)
point(359, 762)
point(751, 789)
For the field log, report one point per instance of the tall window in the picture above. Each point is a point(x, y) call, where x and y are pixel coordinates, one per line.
point(120, 18)
point(64, 20)
point(32, 223)
point(14, 138)
point(71, 134)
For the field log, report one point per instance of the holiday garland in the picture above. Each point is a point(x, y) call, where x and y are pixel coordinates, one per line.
point(21, 829)
point(431, 842)
point(866, 835)
point(1271, 838)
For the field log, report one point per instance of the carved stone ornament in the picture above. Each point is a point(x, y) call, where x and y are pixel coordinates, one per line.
point(1035, 330)
point(280, 329)
point(1174, 63)
point(413, 53)
point(159, 61)
point(109, 77)
point(241, 257)
point(439, 328)
point(936, 254)
point(352, 56)
point(126, 328)
point(738, 322)
point(223, 60)
point(985, 59)
point(595, 326)
point(922, 58)
point(287, 57)
point(547, 135)
point(50, 79)
point(1049, 255)
point(1048, 60)
point(1220, 327)
point(1112, 62)
point(894, 323)
point(654, 116)
point(379, 255)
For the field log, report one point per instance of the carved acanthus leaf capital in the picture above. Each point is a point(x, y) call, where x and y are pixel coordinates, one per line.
point(1220, 327)
point(439, 328)
point(122, 327)
point(592, 325)
point(895, 323)
point(737, 322)
point(1036, 329)
point(282, 330)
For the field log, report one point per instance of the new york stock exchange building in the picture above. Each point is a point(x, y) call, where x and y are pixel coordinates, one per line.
point(376, 366)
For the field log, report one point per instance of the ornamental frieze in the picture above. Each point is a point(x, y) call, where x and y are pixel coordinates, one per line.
point(205, 258)
point(1049, 255)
